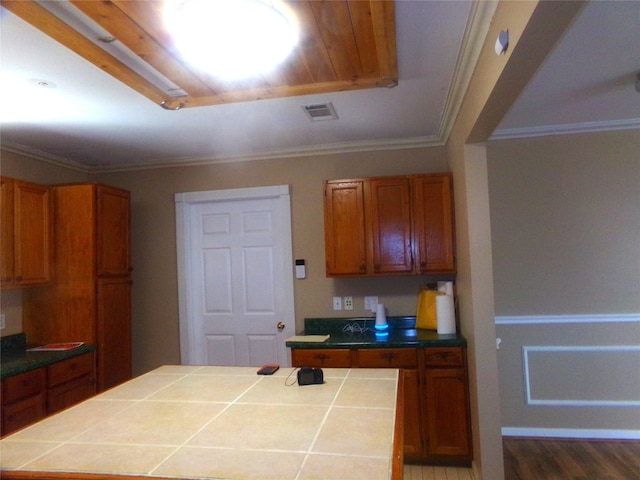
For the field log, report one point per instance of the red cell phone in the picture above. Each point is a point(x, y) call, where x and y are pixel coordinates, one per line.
point(268, 369)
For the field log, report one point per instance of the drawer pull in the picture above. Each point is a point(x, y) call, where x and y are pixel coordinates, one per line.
point(321, 356)
point(389, 357)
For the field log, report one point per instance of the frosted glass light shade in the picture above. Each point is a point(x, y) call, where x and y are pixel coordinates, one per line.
point(232, 39)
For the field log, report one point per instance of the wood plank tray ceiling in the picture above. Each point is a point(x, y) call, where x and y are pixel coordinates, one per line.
point(344, 45)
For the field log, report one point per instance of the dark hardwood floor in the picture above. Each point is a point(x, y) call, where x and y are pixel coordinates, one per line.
point(554, 459)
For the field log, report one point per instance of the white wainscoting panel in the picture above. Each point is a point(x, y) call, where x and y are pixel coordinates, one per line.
point(566, 375)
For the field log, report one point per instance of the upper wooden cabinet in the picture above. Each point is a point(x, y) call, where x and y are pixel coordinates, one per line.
point(344, 228)
point(389, 215)
point(433, 223)
point(27, 239)
point(399, 225)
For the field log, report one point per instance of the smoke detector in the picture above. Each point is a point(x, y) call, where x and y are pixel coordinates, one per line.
point(320, 111)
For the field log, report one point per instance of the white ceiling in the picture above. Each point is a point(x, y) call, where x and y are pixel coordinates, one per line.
point(86, 118)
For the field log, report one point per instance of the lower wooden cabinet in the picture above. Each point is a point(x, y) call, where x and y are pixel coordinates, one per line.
point(31, 396)
point(24, 400)
point(437, 417)
point(70, 381)
point(446, 398)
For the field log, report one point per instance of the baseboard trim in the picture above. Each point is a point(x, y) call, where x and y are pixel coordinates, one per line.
point(475, 471)
point(586, 433)
point(546, 319)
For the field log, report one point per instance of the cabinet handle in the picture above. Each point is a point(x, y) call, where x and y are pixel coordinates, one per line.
point(389, 357)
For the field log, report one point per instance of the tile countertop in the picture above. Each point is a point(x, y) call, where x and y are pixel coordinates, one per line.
point(220, 422)
point(14, 359)
point(359, 332)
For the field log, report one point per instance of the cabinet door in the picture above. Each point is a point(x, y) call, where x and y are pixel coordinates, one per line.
point(33, 245)
point(27, 237)
point(390, 214)
point(6, 232)
point(447, 413)
point(113, 234)
point(344, 228)
point(434, 223)
point(113, 331)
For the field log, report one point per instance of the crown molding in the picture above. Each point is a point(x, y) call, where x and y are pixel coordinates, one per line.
point(473, 40)
point(319, 150)
point(586, 127)
point(44, 157)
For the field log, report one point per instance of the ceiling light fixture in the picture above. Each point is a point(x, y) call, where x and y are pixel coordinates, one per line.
point(232, 39)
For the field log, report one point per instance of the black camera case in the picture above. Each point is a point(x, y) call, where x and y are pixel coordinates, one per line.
point(310, 376)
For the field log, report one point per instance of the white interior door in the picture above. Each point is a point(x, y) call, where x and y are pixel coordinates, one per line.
point(235, 267)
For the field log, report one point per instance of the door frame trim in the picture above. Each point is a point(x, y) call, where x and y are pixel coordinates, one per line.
point(183, 203)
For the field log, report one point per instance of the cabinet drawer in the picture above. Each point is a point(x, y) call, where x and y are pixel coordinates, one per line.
point(321, 358)
point(22, 413)
point(388, 358)
point(22, 386)
point(444, 357)
point(69, 369)
point(70, 393)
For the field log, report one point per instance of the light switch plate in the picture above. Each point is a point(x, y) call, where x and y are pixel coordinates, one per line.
point(337, 303)
point(371, 303)
point(2, 325)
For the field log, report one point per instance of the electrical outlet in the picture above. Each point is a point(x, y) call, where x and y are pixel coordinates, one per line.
point(337, 303)
point(348, 303)
point(371, 303)
point(2, 325)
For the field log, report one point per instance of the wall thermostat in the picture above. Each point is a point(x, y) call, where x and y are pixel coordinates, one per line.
point(301, 270)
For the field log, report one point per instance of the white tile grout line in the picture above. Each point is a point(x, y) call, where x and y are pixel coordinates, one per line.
point(61, 443)
point(228, 405)
point(324, 419)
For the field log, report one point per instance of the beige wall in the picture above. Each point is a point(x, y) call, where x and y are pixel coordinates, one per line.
point(534, 28)
point(565, 223)
point(155, 298)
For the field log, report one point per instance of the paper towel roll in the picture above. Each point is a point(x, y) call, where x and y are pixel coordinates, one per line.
point(381, 316)
point(446, 287)
point(446, 314)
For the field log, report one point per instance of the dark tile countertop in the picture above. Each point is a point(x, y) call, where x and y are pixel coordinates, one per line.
point(14, 359)
point(359, 332)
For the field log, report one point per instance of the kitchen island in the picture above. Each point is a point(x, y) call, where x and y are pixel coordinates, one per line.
point(221, 422)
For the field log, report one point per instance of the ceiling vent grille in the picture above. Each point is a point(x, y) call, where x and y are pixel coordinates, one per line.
point(320, 111)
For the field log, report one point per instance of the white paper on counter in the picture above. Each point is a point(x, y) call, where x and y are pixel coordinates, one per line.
point(308, 338)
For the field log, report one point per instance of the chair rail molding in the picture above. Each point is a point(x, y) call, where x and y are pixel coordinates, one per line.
point(586, 318)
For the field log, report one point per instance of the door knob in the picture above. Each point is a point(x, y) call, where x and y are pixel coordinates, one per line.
point(280, 326)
